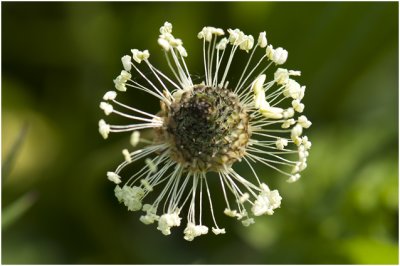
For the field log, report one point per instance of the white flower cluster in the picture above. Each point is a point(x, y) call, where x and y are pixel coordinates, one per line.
point(237, 37)
point(150, 216)
point(267, 201)
point(191, 231)
point(130, 196)
point(132, 199)
point(289, 88)
point(207, 33)
point(168, 220)
point(240, 215)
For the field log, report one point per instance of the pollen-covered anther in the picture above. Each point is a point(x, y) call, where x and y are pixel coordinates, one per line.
point(272, 112)
point(281, 143)
point(182, 51)
point(247, 222)
point(166, 28)
point(292, 89)
point(218, 231)
point(222, 44)
point(175, 42)
point(127, 62)
point(207, 33)
point(164, 44)
point(247, 43)
point(230, 213)
point(110, 95)
point(150, 216)
point(306, 142)
point(120, 81)
point(298, 106)
point(262, 40)
point(235, 36)
point(258, 83)
point(304, 122)
point(288, 123)
point(139, 56)
point(280, 56)
point(281, 75)
point(260, 101)
point(293, 178)
point(106, 107)
point(296, 132)
point(113, 177)
point(104, 129)
point(288, 113)
point(168, 220)
point(126, 155)
point(131, 197)
point(245, 197)
point(266, 202)
point(191, 231)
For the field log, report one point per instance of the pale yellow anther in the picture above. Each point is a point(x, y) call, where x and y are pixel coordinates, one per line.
point(262, 39)
point(259, 101)
point(139, 56)
point(272, 112)
point(127, 155)
point(281, 143)
point(258, 83)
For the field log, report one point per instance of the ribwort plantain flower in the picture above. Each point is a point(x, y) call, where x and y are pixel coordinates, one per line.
point(205, 129)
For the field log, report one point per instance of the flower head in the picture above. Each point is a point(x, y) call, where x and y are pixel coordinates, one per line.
point(203, 130)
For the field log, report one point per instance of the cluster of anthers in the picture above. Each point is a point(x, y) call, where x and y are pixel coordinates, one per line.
point(203, 130)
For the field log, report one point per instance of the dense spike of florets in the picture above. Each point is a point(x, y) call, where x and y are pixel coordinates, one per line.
point(211, 126)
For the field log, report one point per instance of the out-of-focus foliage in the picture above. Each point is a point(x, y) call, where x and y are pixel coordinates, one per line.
point(58, 59)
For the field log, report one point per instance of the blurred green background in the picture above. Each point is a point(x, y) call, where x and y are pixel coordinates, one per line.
point(58, 59)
